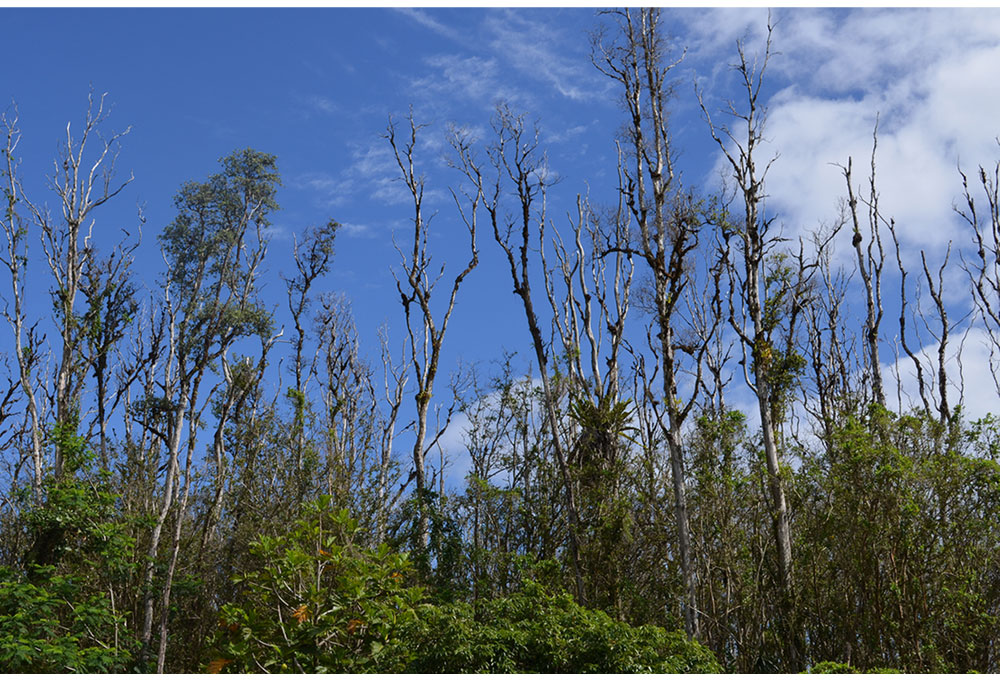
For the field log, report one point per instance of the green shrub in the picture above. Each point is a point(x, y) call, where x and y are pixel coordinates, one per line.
point(54, 625)
point(537, 631)
point(837, 667)
point(319, 603)
point(57, 613)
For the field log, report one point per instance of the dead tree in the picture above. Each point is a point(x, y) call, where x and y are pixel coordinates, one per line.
point(870, 266)
point(931, 373)
point(312, 260)
point(984, 269)
point(394, 388)
point(831, 349)
point(667, 223)
point(590, 299)
point(82, 184)
point(518, 164)
point(26, 338)
point(415, 286)
point(765, 364)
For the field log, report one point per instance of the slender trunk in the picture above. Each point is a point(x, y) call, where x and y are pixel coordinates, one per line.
point(175, 547)
point(423, 401)
point(169, 484)
point(550, 411)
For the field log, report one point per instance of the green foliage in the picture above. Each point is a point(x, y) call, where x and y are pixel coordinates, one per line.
point(54, 625)
point(537, 631)
point(77, 455)
point(212, 265)
point(317, 601)
point(442, 563)
point(899, 544)
point(836, 667)
point(78, 525)
point(57, 612)
point(599, 461)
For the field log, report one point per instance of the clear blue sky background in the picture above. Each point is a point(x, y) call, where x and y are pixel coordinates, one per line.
point(315, 87)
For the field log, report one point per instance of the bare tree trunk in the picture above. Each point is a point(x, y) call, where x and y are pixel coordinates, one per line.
point(870, 263)
point(27, 344)
point(753, 234)
point(394, 385)
point(668, 237)
point(415, 289)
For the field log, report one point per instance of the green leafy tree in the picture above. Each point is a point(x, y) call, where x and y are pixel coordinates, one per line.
point(214, 249)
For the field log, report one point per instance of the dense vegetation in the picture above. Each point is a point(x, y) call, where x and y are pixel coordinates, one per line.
point(166, 508)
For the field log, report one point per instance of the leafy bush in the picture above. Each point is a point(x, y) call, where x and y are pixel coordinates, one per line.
point(537, 631)
point(56, 610)
point(836, 667)
point(318, 603)
point(56, 626)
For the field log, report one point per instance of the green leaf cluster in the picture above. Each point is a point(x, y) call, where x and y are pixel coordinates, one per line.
point(320, 603)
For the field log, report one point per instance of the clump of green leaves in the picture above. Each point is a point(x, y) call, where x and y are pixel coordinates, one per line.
point(824, 667)
point(57, 609)
point(536, 630)
point(55, 625)
point(317, 602)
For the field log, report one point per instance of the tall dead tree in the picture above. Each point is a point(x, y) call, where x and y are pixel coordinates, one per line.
point(394, 379)
point(590, 299)
point(916, 323)
point(518, 164)
point(82, 183)
point(312, 260)
point(667, 226)
point(752, 312)
point(26, 338)
point(983, 270)
point(110, 308)
point(871, 260)
point(415, 286)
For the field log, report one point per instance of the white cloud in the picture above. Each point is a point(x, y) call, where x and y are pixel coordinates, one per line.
point(330, 189)
point(470, 78)
point(930, 77)
point(352, 230)
point(969, 366)
point(322, 104)
point(571, 134)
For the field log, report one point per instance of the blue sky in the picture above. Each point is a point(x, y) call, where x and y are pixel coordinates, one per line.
point(315, 87)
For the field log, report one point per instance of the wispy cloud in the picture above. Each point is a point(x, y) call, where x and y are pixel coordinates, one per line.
point(278, 233)
point(468, 78)
point(572, 133)
point(330, 190)
point(541, 51)
point(359, 231)
point(322, 104)
point(424, 19)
